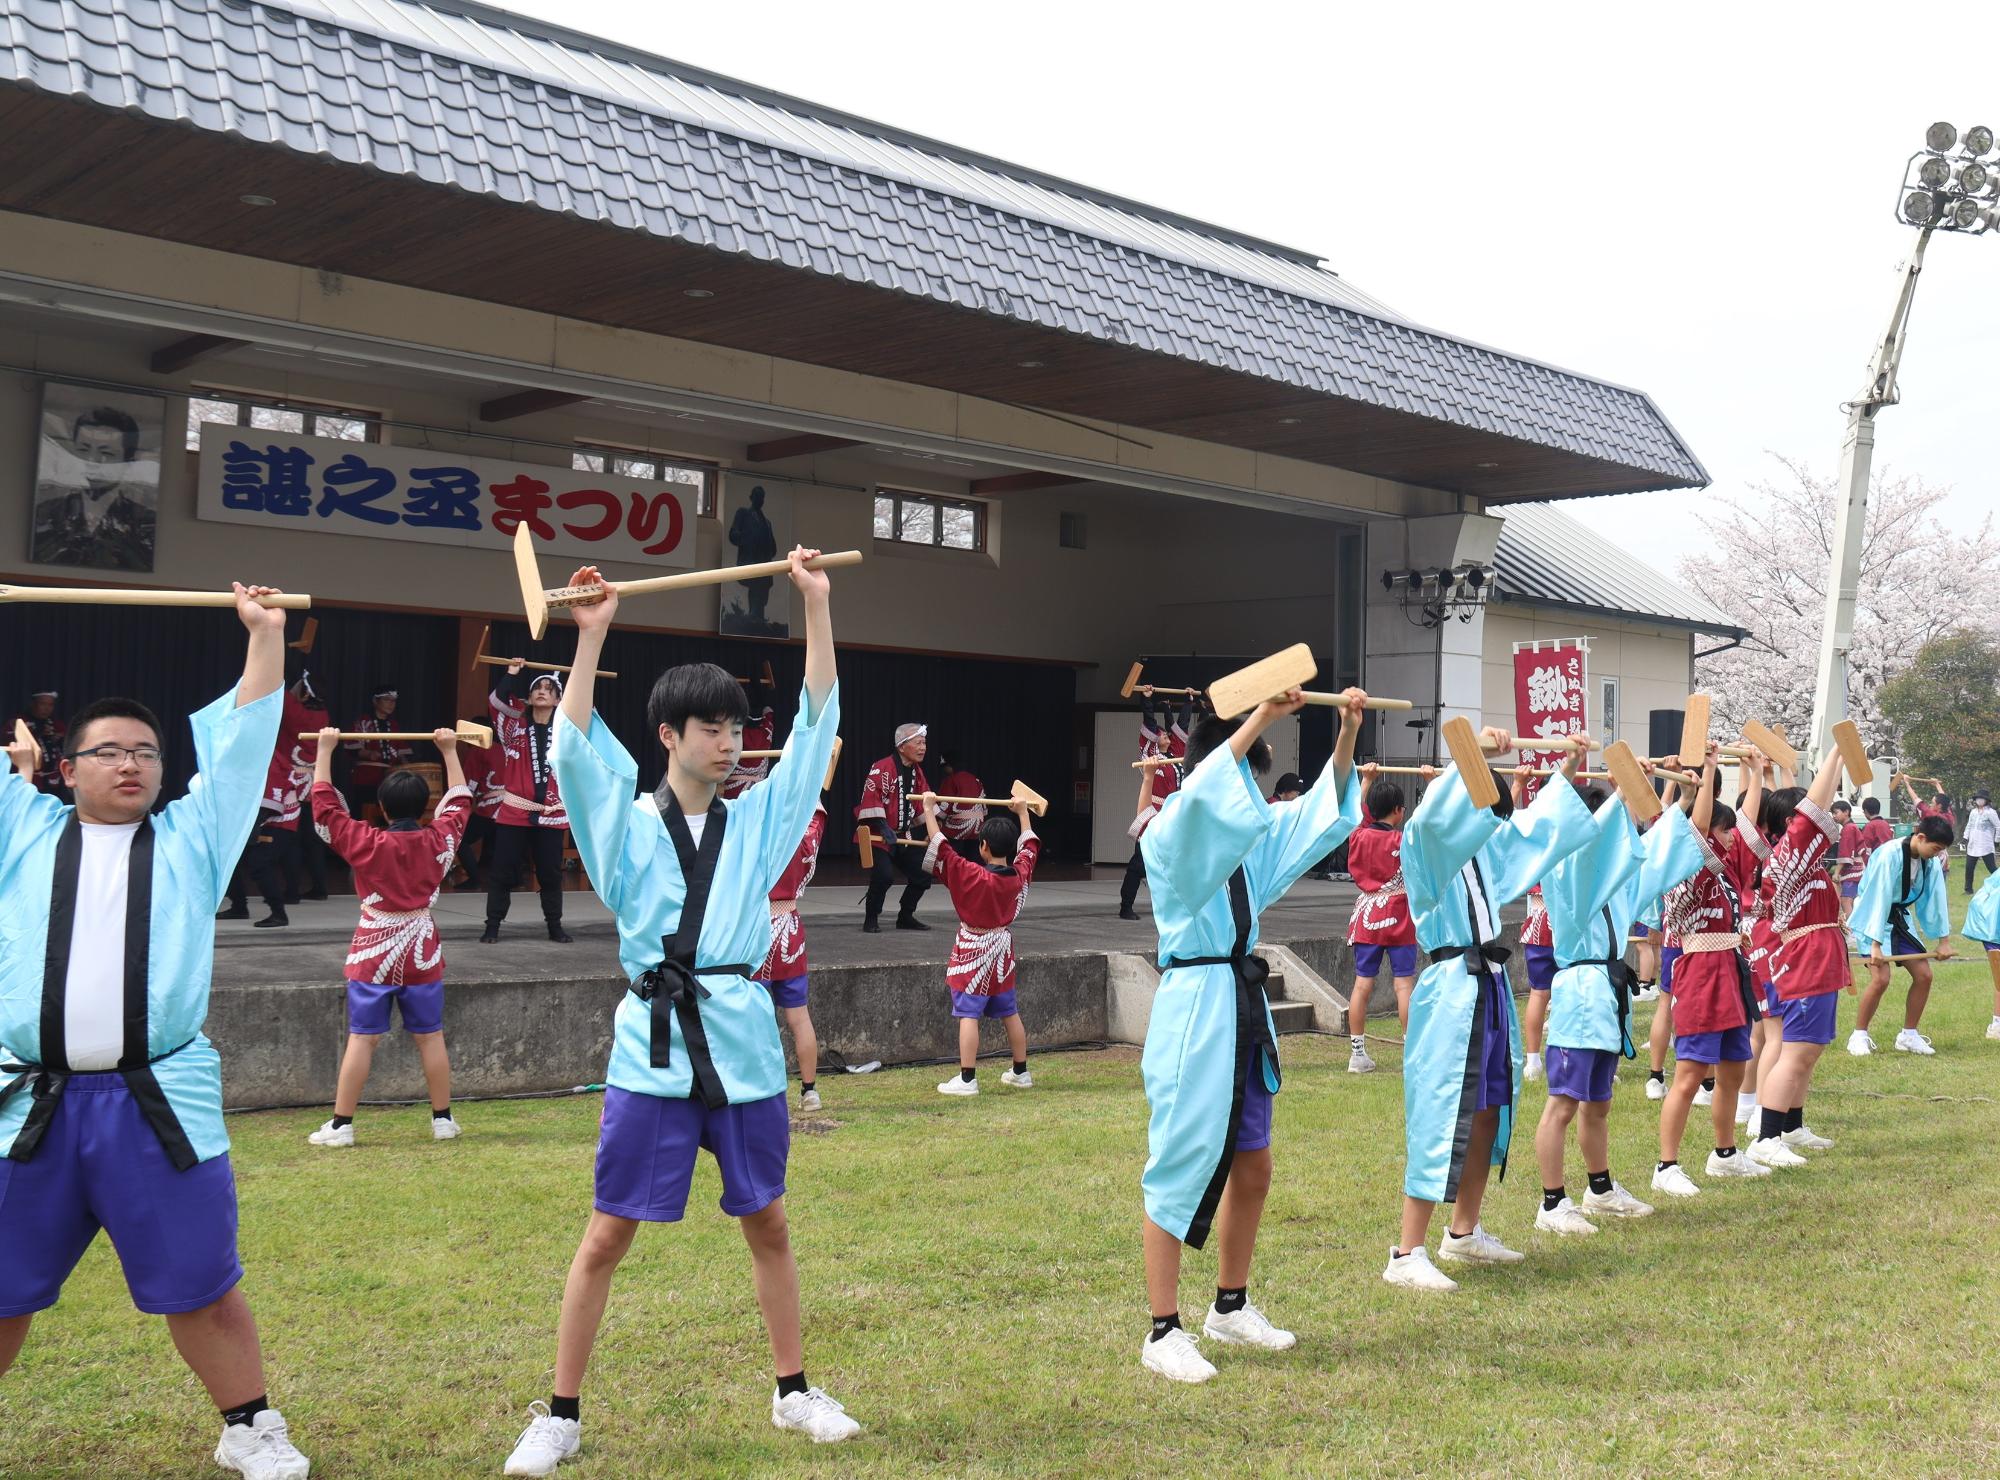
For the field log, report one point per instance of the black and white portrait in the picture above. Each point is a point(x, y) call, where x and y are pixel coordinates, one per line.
point(97, 478)
point(756, 527)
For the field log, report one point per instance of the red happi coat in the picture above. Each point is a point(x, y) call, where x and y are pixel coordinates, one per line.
point(889, 807)
point(961, 820)
point(289, 777)
point(1707, 985)
point(374, 759)
point(521, 754)
point(481, 764)
point(1810, 955)
point(787, 957)
point(760, 732)
point(988, 901)
point(1382, 913)
point(1535, 927)
point(397, 872)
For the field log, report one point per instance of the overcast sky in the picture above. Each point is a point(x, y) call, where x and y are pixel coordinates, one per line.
point(1694, 200)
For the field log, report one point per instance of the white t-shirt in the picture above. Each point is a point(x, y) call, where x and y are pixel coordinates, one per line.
point(697, 825)
point(1982, 826)
point(94, 1007)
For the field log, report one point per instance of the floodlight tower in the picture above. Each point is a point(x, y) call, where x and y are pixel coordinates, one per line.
point(1948, 185)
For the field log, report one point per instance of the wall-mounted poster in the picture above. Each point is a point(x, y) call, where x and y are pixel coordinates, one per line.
point(97, 477)
point(756, 526)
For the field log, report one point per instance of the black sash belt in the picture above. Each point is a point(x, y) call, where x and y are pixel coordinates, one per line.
point(45, 1088)
point(673, 986)
point(1478, 959)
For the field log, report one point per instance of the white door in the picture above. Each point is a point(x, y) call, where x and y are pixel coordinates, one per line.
point(1114, 785)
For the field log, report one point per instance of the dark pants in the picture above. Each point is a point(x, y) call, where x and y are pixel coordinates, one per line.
point(510, 845)
point(475, 851)
point(1971, 862)
point(909, 862)
point(265, 861)
point(305, 869)
point(1135, 874)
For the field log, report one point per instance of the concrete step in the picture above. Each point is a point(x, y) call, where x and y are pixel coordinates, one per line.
point(1274, 986)
point(1292, 1017)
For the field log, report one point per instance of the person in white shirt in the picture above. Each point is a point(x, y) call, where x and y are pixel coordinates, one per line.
point(1982, 837)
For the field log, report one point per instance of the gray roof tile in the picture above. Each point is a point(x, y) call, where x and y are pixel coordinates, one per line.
point(1546, 556)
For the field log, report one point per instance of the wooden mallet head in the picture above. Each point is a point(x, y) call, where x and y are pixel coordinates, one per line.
point(1242, 691)
point(1463, 743)
point(864, 839)
point(1131, 683)
point(1642, 803)
point(1694, 732)
point(308, 635)
point(832, 765)
point(23, 736)
point(1770, 742)
point(1035, 802)
point(1853, 754)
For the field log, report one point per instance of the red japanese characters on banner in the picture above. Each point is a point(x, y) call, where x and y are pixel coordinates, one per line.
point(1550, 684)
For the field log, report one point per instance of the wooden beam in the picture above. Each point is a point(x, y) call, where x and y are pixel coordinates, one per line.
point(526, 403)
point(1022, 482)
point(184, 352)
point(802, 445)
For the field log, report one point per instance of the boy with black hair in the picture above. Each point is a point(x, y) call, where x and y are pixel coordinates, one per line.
point(696, 1061)
point(1904, 892)
point(110, 1097)
point(1380, 926)
point(396, 955)
point(1217, 855)
point(531, 819)
point(988, 896)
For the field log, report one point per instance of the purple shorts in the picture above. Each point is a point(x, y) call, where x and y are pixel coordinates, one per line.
point(1726, 1046)
point(791, 992)
point(983, 1005)
point(1582, 1073)
point(1985, 945)
point(1849, 889)
point(1668, 955)
point(1253, 1127)
point(101, 1166)
point(1541, 967)
point(1496, 1055)
point(421, 1005)
point(646, 1150)
point(1368, 960)
point(1809, 1019)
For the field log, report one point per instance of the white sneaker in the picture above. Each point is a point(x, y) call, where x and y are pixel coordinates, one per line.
point(333, 1135)
point(1563, 1218)
point(1704, 1096)
point(1993, 1029)
point(1617, 1203)
point(1414, 1271)
point(1176, 1356)
point(445, 1128)
point(1860, 1044)
point(546, 1442)
point(1739, 1165)
point(1656, 1089)
point(812, 1412)
point(1675, 1182)
point(1803, 1139)
point(1746, 1109)
point(958, 1084)
point(1477, 1247)
point(1247, 1327)
point(1646, 994)
point(1024, 1080)
point(1531, 1068)
point(261, 1449)
point(1775, 1154)
point(1911, 1041)
point(809, 1100)
point(1358, 1061)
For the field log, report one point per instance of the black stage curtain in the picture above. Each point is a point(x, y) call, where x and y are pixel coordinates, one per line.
point(174, 660)
point(1316, 724)
point(1001, 720)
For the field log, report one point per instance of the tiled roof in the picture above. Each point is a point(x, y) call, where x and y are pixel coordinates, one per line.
point(506, 107)
point(1545, 557)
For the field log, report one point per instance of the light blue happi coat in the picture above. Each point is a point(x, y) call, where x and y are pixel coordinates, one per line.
point(1214, 824)
point(636, 871)
point(1925, 906)
point(1460, 865)
point(1982, 912)
point(1594, 895)
point(197, 839)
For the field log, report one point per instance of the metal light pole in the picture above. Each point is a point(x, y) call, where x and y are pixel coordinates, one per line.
point(1942, 191)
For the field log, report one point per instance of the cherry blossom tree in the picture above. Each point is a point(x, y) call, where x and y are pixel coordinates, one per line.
point(1767, 567)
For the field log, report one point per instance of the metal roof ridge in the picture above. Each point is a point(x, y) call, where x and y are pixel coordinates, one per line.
point(771, 97)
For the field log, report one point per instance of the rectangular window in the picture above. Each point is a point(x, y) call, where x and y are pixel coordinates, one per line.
point(268, 414)
point(930, 519)
point(628, 462)
point(1607, 701)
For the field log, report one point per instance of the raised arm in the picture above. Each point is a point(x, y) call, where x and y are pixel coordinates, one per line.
point(1827, 782)
point(817, 589)
point(593, 623)
point(264, 663)
point(329, 737)
point(447, 744)
point(1350, 731)
point(1704, 799)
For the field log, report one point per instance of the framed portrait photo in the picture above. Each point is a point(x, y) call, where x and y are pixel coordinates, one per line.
point(97, 478)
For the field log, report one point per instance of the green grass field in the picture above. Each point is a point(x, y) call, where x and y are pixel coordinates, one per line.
point(973, 1293)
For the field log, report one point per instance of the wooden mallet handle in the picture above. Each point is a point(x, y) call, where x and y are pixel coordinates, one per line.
point(291, 601)
point(492, 662)
point(468, 734)
point(1152, 762)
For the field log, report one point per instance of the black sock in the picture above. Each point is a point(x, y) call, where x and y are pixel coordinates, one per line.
point(1709, 1084)
point(806, 1086)
point(1551, 1196)
point(341, 1120)
point(1163, 1324)
point(561, 1407)
point(1661, 1167)
point(243, 1415)
point(1773, 1123)
point(1725, 1152)
point(444, 1114)
point(1020, 1066)
point(968, 1075)
point(796, 1383)
point(1227, 1301)
point(1600, 1182)
point(1795, 1118)
point(1659, 1074)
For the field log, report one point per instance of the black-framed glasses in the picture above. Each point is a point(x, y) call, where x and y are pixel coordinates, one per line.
point(145, 757)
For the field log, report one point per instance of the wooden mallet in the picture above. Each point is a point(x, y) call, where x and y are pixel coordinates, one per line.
point(24, 736)
point(1269, 678)
point(481, 656)
point(291, 601)
point(1536, 742)
point(864, 839)
point(1694, 730)
point(1463, 742)
point(771, 755)
point(1132, 685)
point(1153, 762)
point(1642, 803)
point(469, 733)
point(1022, 793)
point(308, 635)
point(1771, 743)
point(1853, 754)
point(768, 681)
point(538, 602)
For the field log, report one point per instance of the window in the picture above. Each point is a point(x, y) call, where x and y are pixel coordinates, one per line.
point(1607, 691)
point(929, 519)
point(628, 462)
point(302, 418)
